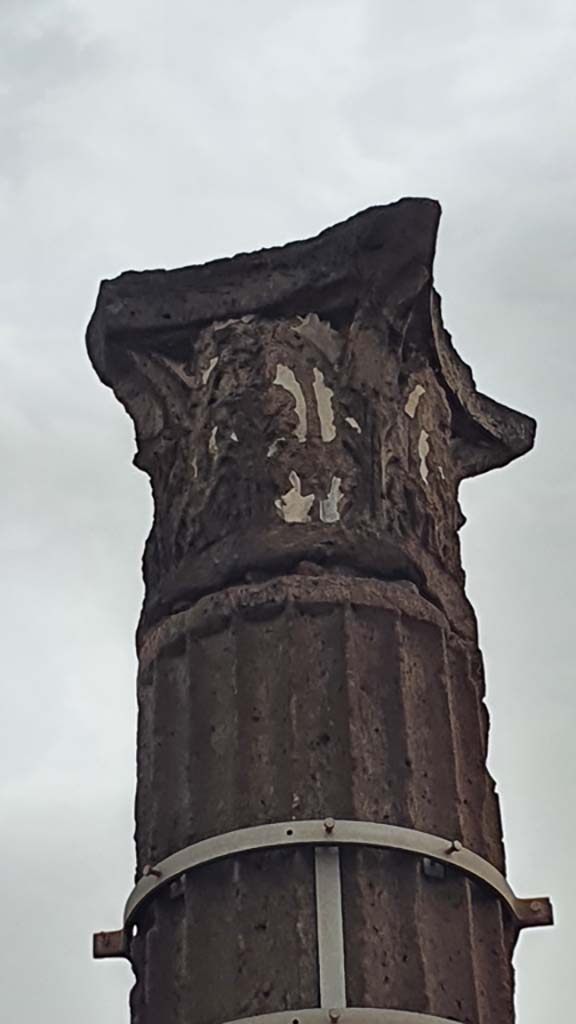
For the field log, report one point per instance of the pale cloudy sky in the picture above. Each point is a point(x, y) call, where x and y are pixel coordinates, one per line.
point(138, 134)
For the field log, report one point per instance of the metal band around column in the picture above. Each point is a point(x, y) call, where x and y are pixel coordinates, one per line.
point(330, 926)
point(529, 913)
point(348, 1015)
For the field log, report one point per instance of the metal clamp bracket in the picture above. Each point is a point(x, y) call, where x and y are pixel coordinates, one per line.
point(349, 1015)
point(528, 913)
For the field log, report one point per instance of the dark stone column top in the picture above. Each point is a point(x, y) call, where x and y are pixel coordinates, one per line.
point(302, 403)
point(363, 260)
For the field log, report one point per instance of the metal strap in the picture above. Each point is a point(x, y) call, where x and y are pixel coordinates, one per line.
point(529, 913)
point(349, 1015)
point(330, 928)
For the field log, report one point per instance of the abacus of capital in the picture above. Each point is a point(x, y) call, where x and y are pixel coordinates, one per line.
point(318, 837)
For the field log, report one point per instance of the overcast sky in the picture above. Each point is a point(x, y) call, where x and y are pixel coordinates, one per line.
point(138, 134)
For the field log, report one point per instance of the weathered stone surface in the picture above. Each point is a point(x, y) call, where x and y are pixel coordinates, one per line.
point(306, 646)
point(303, 402)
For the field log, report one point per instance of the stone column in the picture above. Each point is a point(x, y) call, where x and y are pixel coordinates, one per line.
point(306, 648)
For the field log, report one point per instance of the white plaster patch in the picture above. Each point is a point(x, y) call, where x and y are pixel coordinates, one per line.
point(324, 396)
point(220, 325)
point(413, 399)
point(423, 452)
point(441, 472)
point(286, 378)
point(320, 334)
point(294, 507)
point(329, 511)
point(273, 448)
point(195, 468)
point(206, 373)
point(354, 424)
point(234, 436)
point(212, 443)
point(310, 318)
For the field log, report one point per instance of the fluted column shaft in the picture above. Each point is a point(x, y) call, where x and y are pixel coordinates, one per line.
point(301, 698)
point(306, 647)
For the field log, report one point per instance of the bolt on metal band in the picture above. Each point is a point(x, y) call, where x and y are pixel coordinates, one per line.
point(529, 913)
point(348, 1015)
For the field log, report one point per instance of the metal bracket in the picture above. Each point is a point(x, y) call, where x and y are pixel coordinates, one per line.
point(330, 926)
point(528, 913)
point(110, 944)
point(349, 1015)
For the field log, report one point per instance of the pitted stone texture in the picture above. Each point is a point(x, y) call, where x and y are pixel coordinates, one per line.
point(275, 411)
point(306, 646)
point(305, 698)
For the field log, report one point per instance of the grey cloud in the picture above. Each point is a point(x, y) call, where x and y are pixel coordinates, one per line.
point(45, 49)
